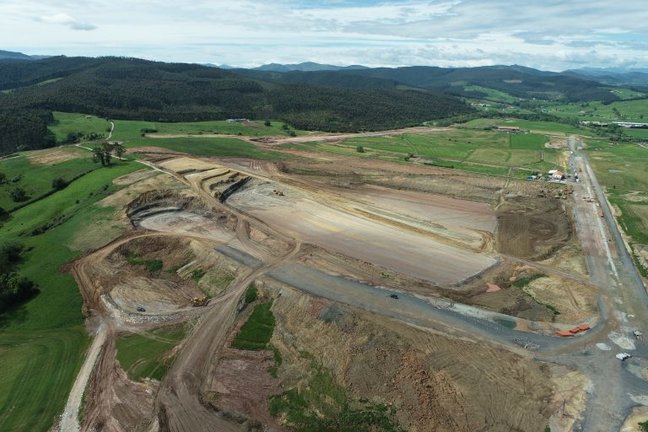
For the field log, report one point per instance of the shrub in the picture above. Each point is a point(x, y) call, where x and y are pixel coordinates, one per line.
point(251, 294)
point(18, 194)
point(59, 183)
point(360, 149)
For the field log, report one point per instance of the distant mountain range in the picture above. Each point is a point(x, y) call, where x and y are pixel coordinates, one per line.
point(13, 55)
point(479, 82)
point(305, 67)
point(614, 76)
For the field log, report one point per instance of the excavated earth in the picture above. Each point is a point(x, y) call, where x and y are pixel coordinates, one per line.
point(413, 229)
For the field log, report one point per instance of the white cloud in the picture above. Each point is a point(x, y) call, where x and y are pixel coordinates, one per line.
point(66, 20)
point(552, 34)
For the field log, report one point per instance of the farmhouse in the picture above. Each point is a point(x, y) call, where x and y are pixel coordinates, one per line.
point(557, 175)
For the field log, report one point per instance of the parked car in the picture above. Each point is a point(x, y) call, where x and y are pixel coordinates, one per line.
point(623, 356)
point(394, 296)
point(141, 309)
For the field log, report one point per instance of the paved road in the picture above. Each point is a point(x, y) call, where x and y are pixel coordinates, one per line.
point(614, 389)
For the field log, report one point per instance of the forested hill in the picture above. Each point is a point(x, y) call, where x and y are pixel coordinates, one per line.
point(522, 82)
point(139, 89)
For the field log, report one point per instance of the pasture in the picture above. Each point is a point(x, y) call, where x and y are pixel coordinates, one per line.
point(627, 110)
point(66, 123)
point(479, 151)
point(42, 342)
point(36, 180)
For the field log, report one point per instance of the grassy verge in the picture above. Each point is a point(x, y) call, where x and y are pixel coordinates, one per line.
point(42, 342)
point(149, 355)
point(257, 330)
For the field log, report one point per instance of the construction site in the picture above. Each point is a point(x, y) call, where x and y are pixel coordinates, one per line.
point(409, 296)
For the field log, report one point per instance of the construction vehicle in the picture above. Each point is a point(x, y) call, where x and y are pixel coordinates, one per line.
point(199, 301)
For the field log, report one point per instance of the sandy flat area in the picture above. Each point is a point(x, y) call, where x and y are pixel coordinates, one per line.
point(388, 246)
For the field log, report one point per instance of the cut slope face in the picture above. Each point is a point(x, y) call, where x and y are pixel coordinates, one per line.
point(398, 249)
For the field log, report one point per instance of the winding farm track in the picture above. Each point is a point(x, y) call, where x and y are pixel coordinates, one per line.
point(616, 390)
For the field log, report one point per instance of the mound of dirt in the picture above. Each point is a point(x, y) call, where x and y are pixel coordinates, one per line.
point(433, 382)
point(532, 228)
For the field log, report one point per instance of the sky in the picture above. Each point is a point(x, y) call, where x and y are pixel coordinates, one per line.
point(545, 34)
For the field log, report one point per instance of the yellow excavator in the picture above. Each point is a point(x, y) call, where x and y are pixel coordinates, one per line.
point(199, 301)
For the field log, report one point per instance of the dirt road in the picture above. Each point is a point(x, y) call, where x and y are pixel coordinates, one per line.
point(314, 137)
point(180, 397)
point(615, 389)
point(70, 417)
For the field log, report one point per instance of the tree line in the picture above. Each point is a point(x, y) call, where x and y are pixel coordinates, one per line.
point(14, 289)
point(143, 90)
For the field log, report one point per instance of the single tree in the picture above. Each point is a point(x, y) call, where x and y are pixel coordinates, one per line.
point(118, 149)
point(267, 123)
point(18, 194)
point(3, 178)
point(98, 155)
point(59, 183)
point(360, 149)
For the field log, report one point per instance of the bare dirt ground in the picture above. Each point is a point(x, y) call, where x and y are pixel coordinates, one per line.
point(344, 216)
point(435, 383)
point(388, 246)
point(310, 137)
point(55, 155)
point(638, 415)
point(532, 228)
point(569, 397)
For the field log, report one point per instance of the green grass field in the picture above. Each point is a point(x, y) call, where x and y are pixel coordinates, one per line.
point(628, 110)
point(130, 132)
point(148, 355)
point(257, 330)
point(216, 147)
point(622, 169)
point(66, 123)
point(541, 126)
point(42, 342)
point(636, 133)
point(492, 94)
point(480, 151)
point(37, 179)
point(528, 141)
